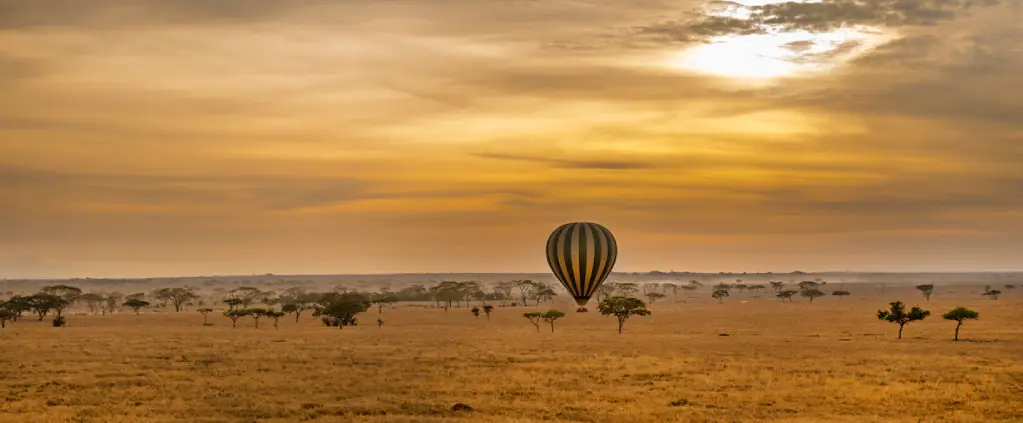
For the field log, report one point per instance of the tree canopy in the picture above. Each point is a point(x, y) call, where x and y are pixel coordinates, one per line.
point(622, 308)
point(898, 314)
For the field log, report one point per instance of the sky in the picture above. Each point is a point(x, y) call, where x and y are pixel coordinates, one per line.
point(199, 137)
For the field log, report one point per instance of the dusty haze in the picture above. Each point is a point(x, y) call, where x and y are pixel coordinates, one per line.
point(148, 137)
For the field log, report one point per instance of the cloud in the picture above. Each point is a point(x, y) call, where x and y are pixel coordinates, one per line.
point(820, 16)
point(595, 164)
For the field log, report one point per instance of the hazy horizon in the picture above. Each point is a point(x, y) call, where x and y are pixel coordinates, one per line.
point(192, 137)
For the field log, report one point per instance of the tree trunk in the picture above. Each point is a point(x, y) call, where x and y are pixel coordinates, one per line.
point(204, 319)
point(900, 331)
point(957, 330)
point(257, 323)
point(177, 307)
point(275, 323)
point(137, 311)
point(621, 322)
point(552, 327)
point(234, 323)
point(297, 314)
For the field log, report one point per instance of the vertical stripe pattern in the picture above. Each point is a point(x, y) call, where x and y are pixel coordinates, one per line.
point(581, 255)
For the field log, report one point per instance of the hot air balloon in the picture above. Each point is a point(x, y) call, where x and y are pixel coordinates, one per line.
point(581, 255)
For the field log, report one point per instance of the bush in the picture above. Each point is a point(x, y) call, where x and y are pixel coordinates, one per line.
point(59, 321)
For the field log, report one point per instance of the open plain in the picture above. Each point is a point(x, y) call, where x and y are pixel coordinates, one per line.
point(746, 359)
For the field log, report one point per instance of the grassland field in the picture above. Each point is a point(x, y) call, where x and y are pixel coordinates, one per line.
point(826, 361)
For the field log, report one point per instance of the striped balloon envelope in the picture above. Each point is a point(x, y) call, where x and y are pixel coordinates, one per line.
point(581, 255)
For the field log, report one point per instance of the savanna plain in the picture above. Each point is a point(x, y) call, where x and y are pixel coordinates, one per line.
point(750, 358)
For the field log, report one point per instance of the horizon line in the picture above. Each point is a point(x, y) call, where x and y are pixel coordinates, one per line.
point(648, 272)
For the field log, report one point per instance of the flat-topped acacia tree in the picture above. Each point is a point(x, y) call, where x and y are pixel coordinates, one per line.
point(927, 290)
point(294, 308)
point(136, 304)
point(959, 314)
point(898, 314)
point(811, 293)
point(205, 313)
point(234, 315)
point(622, 308)
point(61, 296)
point(552, 315)
point(275, 315)
point(255, 314)
point(786, 295)
point(534, 317)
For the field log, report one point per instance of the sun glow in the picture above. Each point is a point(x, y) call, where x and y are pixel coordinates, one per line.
point(778, 52)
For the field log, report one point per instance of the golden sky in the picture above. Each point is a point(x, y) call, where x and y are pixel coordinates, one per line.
point(147, 137)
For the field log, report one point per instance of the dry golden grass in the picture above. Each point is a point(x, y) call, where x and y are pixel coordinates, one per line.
point(830, 361)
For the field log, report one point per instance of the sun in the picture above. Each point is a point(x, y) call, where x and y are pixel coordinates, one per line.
point(777, 52)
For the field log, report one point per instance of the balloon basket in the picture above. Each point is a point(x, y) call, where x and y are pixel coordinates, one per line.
point(581, 310)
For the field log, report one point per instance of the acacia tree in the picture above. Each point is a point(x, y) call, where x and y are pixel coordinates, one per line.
point(233, 303)
point(840, 294)
point(927, 290)
point(255, 314)
point(342, 308)
point(112, 301)
point(293, 308)
point(487, 308)
point(627, 289)
point(247, 295)
point(543, 292)
point(234, 315)
point(720, 294)
point(93, 301)
point(898, 314)
point(786, 295)
point(534, 317)
point(177, 296)
point(276, 315)
point(777, 286)
point(136, 304)
point(622, 308)
point(62, 296)
point(959, 314)
point(654, 296)
point(992, 293)
point(205, 312)
point(606, 289)
point(526, 288)
point(670, 287)
point(41, 304)
point(18, 305)
point(552, 315)
point(383, 300)
point(811, 293)
point(805, 285)
point(756, 288)
point(650, 287)
point(476, 312)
